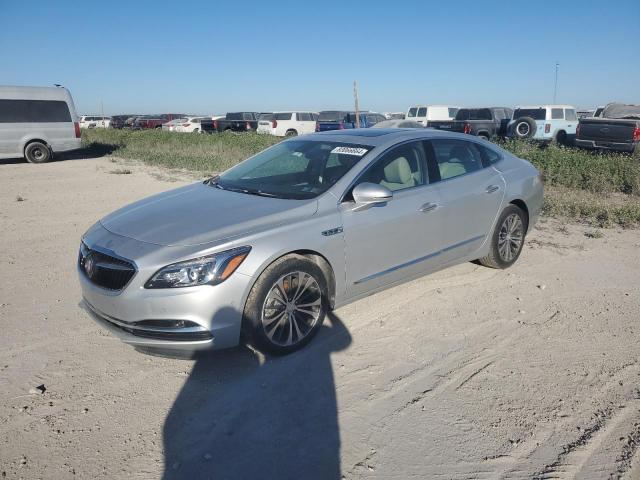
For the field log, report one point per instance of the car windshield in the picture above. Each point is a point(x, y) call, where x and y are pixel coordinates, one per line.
point(535, 113)
point(298, 169)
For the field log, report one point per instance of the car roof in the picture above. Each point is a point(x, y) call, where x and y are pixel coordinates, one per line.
point(380, 136)
point(545, 106)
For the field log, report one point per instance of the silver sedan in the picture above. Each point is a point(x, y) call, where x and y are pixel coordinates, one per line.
point(261, 252)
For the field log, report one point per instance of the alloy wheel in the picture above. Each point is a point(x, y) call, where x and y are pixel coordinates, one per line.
point(510, 237)
point(292, 308)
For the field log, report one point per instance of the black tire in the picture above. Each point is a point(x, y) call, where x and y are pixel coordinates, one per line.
point(497, 257)
point(37, 152)
point(196, 130)
point(524, 127)
point(484, 136)
point(291, 133)
point(284, 271)
point(561, 137)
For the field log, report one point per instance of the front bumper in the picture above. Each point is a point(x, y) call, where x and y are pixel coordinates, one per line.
point(190, 318)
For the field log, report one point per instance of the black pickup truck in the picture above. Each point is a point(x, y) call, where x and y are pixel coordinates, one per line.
point(618, 128)
point(236, 122)
point(486, 122)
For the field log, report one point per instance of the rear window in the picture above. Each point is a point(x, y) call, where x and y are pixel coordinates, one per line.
point(473, 114)
point(32, 111)
point(236, 116)
point(282, 116)
point(331, 116)
point(535, 113)
point(412, 112)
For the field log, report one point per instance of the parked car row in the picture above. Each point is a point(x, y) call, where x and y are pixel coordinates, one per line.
point(612, 127)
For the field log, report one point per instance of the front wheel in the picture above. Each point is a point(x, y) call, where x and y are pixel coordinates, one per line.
point(286, 306)
point(507, 239)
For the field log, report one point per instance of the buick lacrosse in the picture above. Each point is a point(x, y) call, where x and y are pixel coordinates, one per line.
point(261, 252)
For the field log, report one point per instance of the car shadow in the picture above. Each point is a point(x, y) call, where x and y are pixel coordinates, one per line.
point(94, 150)
point(239, 417)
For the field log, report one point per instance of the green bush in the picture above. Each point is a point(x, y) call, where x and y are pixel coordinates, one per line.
point(599, 172)
point(197, 152)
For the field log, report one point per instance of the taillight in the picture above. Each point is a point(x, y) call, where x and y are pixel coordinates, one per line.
point(578, 130)
point(341, 127)
point(636, 134)
point(547, 127)
point(467, 128)
point(317, 126)
point(76, 126)
point(215, 124)
point(274, 123)
point(247, 126)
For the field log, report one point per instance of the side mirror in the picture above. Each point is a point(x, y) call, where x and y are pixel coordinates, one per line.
point(370, 194)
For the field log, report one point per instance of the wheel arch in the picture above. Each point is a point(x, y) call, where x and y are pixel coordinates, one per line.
point(312, 255)
point(522, 206)
point(28, 142)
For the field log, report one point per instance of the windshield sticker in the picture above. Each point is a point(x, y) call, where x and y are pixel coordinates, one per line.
point(297, 154)
point(350, 151)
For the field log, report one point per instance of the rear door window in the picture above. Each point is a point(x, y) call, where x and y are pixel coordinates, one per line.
point(452, 158)
point(282, 116)
point(557, 114)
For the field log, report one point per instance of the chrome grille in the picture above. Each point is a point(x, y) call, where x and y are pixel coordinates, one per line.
point(105, 270)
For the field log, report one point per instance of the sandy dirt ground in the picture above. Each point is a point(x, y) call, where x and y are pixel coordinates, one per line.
point(526, 373)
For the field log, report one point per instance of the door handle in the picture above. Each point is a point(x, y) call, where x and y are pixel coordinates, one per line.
point(492, 188)
point(428, 207)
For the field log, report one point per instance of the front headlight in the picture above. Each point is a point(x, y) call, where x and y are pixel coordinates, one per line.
point(207, 270)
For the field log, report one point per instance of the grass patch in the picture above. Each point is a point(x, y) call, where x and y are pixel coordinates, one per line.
point(597, 172)
point(596, 209)
point(199, 153)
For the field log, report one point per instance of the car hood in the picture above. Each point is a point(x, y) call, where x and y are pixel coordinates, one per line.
point(199, 214)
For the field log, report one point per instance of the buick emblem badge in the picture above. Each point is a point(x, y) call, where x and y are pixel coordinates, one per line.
point(89, 265)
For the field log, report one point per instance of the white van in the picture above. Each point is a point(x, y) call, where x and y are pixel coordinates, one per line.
point(36, 122)
point(427, 113)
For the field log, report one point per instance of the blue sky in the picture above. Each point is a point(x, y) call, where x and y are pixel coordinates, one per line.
point(218, 56)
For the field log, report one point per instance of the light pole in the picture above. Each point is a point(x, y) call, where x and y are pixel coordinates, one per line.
point(555, 85)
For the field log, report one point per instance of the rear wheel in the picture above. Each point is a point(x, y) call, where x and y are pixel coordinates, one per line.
point(286, 306)
point(291, 133)
point(483, 136)
point(561, 137)
point(507, 239)
point(37, 152)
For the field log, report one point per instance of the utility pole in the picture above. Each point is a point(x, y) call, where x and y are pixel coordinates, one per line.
point(355, 96)
point(555, 85)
